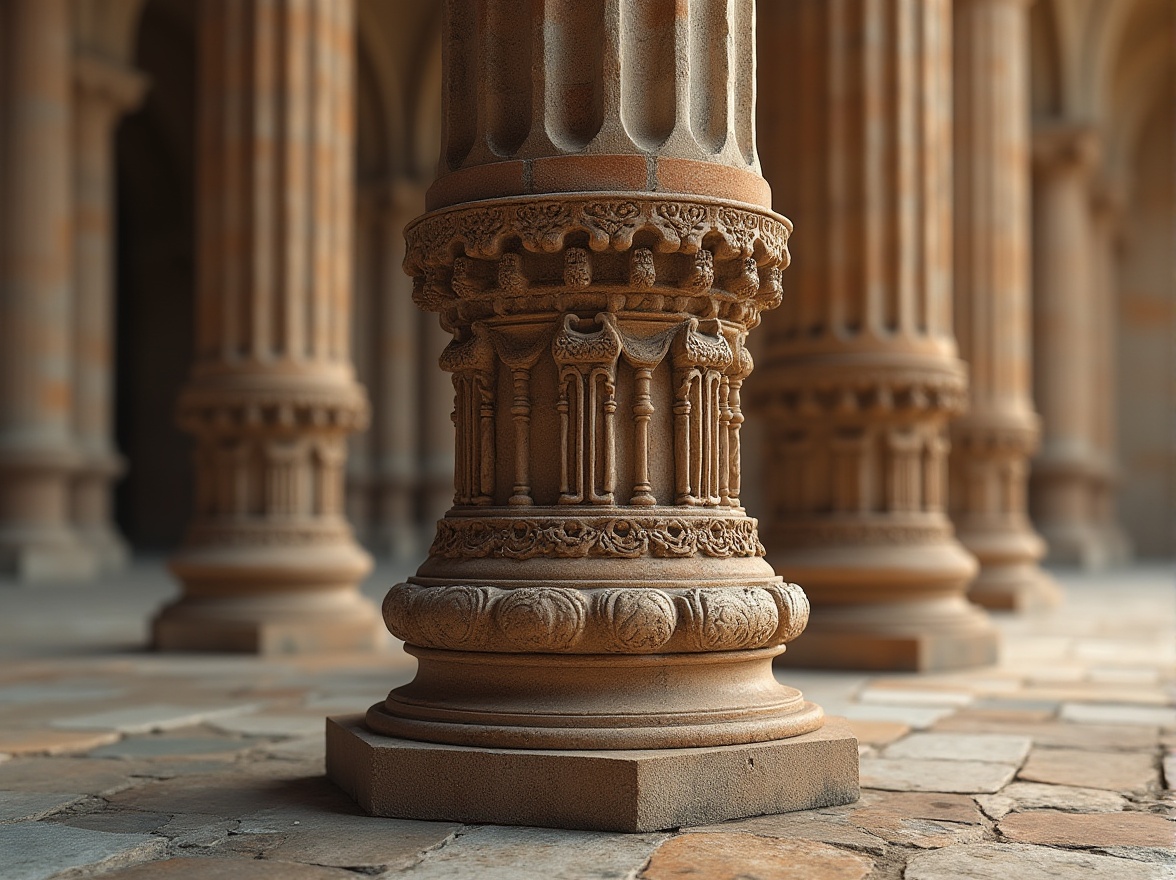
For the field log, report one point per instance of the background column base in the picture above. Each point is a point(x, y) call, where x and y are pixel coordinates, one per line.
point(1015, 587)
point(47, 559)
point(899, 652)
point(615, 790)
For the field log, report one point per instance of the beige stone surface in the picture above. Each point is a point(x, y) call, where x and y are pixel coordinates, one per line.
point(1089, 829)
point(1019, 796)
point(224, 869)
point(877, 733)
point(48, 741)
point(992, 748)
point(999, 862)
point(1112, 771)
point(735, 856)
point(1095, 737)
point(830, 825)
point(610, 790)
point(926, 774)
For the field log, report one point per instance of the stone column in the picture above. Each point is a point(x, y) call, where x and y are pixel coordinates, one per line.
point(1106, 231)
point(595, 624)
point(992, 442)
point(103, 92)
point(862, 374)
point(269, 563)
point(1064, 313)
point(38, 453)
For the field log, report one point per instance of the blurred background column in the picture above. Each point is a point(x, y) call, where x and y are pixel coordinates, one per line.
point(992, 442)
point(269, 563)
point(861, 375)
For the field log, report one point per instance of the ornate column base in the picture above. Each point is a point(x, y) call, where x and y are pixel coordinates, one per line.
point(269, 600)
point(616, 790)
point(35, 545)
point(91, 512)
point(894, 606)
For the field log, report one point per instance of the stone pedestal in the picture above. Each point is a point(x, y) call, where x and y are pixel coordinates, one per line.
point(992, 443)
point(269, 563)
point(103, 92)
point(38, 452)
point(596, 600)
point(1068, 463)
point(862, 374)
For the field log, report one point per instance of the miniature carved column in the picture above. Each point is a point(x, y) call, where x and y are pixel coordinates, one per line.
point(103, 92)
point(862, 373)
point(1106, 228)
point(269, 563)
point(1065, 467)
point(38, 453)
point(992, 442)
point(598, 245)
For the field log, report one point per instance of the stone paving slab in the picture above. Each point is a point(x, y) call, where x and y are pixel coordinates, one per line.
point(149, 719)
point(23, 806)
point(747, 857)
point(46, 741)
point(1112, 771)
point(1090, 829)
point(1035, 795)
point(986, 747)
point(916, 774)
point(40, 851)
point(164, 747)
point(224, 869)
point(1021, 862)
point(1097, 713)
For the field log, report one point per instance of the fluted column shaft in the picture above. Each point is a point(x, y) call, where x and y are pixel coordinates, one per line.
point(38, 453)
point(269, 562)
point(1067, 462)
point(862, 373)
point(598, 247)
point(992, 442)
point(103, 92)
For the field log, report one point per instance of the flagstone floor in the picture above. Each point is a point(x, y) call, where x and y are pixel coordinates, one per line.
point(1059, 762)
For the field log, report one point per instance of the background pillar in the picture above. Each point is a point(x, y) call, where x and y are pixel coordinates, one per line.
point(38, 454)
point(992, 442)
point(1066, 466)
point(269, 563)
point(598, 246)
point(861, 374)
point(103, 92)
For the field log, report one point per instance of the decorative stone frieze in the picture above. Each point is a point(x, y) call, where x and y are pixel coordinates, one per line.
point(269, 563)
point(992, 443)
point(859, 375)
point(597, 584)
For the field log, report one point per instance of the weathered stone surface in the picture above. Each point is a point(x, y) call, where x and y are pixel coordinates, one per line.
point(67, 691)
point(1055, 828)
point(1112, 713)
point(272, 725)
point(894, 695)
point(1059, 734)
point(169, 746)
point(733, 856)
point(226, 869)
point(149, 719)
point(990, 861)
point(40, 850)
point(1113, 771)
point(991, 748)
point(832, 825)
point(916, 717)
point(913, 774)
point(923, 820)
point(44, 741)
point(86, 775)
point(498, 853)
point(17, 806)
point(118, 821)
point(877, 733)
point(1033, 795)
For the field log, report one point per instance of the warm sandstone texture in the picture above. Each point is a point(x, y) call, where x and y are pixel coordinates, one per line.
point(269, 563)
point(862, 374)
point(992, 442)
point(38, 452)
point(597, 584)
point(1074, 472)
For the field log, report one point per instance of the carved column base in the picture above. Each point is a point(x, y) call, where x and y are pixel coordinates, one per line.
point(616, 790)
point(270, 600)
point(1010, 578)
point(893, 605)
point(35, 542)
point(91, 504)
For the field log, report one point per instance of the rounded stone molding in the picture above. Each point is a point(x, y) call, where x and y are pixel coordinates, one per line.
point(621, 536)
point(565, 620)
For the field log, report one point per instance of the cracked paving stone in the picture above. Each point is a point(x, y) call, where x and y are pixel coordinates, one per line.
point(989, 747)
point(169, 747)
point(913, 774)
point(119, 821)
point(502, 853)
point(237, 792)
point(831, 825)
point(226, 869)
point(149, 719)
point(1056, 828)
point(45, 741)
point(84, 775)
point(1019, 796)
point(1112, 771)
point(27, 806)
point(993, 861)
point(748, 857)
point(40, 850)
point(924, 820)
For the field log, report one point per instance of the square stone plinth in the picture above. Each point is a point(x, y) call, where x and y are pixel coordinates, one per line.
point(626, 791)
point(927, 652)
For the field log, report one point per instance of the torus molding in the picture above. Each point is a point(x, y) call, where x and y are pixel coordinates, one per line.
point(625, 537)
point(636, 620)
